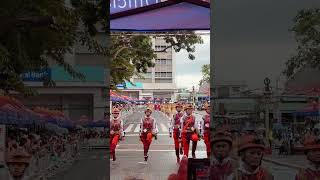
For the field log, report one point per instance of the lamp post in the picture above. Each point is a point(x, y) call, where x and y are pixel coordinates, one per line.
point(267, 97)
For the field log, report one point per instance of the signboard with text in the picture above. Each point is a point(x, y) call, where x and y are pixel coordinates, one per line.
point(124, 5)
point(37, 76)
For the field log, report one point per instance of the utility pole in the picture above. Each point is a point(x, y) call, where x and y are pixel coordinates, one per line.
point(267, 98)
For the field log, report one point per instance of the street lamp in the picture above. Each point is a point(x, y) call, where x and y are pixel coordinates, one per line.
point(267, 96)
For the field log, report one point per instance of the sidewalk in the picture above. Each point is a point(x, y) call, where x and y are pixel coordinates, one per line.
point(292, 161)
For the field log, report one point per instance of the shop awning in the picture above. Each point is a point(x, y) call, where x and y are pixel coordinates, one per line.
point(171, 15)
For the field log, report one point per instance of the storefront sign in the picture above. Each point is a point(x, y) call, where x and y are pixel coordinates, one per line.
point(2, 144)
point(123, 5)
point(36, 76)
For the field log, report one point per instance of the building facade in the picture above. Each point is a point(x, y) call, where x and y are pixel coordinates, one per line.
point(73, 96)
point(159, 81)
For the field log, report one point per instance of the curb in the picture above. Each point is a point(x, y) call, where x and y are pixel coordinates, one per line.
point(282, 163)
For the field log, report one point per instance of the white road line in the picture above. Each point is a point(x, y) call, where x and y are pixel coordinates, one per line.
point(150, 150)
point(164, 128)
point(128, 129)
point(136, 135)
point(137, 129)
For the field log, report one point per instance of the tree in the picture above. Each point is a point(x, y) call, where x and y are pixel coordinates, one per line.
point(307, 34)
point(36, 32)
point(205, 69)
point(132, 54)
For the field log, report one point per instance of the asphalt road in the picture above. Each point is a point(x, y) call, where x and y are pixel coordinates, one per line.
point(162, 160)
point(91, 165)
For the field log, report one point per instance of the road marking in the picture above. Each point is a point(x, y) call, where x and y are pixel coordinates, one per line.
point(137, 129)
point(151, 150)
point(128, 129)
point(136, 135)
point(163, 128)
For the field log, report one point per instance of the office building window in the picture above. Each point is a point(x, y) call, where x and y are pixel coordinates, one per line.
point(163, 74)
point(164, 61)
point(235, 89)
point(223, 92)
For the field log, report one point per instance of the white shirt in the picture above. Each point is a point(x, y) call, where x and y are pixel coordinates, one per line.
point(154, 125)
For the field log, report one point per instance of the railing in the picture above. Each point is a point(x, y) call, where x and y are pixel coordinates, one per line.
point(44, 164)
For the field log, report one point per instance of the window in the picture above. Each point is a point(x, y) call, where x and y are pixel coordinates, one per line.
point(236, 89)
point(223, 92)
point(147, 75)
point(163, 80)
point(163, 75)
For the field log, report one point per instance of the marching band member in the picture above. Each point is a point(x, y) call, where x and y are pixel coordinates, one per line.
point(222, 165)
point(116, 132)
point(251, 150)
point(148, 130)
point(189, 131)
point(205, 130)
point(175, 129)
point(312, 152)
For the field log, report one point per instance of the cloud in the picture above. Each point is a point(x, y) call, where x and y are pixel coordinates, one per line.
point(188, 80)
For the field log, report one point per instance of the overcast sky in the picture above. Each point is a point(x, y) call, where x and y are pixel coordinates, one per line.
point(251, 38)
point(188, 72)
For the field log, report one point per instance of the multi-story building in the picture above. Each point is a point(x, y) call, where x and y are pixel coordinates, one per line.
point(229, 89)
point(159, 81)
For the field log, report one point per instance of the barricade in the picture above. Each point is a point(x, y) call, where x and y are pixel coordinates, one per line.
point(45, 163)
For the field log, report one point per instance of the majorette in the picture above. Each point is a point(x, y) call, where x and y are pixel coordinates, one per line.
point(251, 151)
point(116, 131)
point(312, 152)
point(148, 130)
point(205, 129)
point(190, 131)
point(175, 129)
point(222, 165)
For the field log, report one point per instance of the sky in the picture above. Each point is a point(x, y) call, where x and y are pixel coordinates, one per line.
point(188, 72)
point(252, 39)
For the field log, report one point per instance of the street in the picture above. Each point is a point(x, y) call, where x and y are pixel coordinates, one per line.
point(91, 165)
point(162, 160)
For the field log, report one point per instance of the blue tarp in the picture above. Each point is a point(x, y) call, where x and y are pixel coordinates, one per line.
point(176, 16)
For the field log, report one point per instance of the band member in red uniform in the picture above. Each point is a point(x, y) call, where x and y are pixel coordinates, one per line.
point(175, 129)
point(251, 150)
point(116, 132)
point(222, 165)
point(189, 131)
point(312, 151)
point(148, 130)
point(206, 129)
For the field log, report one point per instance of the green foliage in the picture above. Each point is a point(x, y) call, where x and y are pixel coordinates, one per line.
point(30, 42)
point(132, 54)
point(205, 69)
point(307, 34)
point(29, 46)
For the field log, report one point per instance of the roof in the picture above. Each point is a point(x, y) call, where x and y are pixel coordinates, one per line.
point(306, 81)
point(171, 15)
